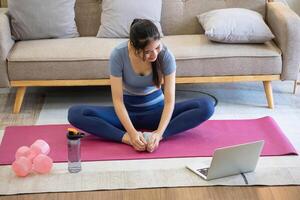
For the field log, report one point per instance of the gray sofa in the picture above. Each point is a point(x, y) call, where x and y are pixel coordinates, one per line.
point(84, 60)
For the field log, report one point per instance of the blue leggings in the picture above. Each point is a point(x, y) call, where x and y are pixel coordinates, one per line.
point(102, 121)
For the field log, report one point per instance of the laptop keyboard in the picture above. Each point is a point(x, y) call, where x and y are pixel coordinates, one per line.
point(203, 171)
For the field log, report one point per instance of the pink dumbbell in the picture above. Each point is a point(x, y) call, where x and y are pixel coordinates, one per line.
point(42, 164)
point(32, 159)
point(22, 166)
point(40, 146)
point(23, 151)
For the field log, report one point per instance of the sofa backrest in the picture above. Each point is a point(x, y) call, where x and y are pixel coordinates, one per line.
point(178, 16)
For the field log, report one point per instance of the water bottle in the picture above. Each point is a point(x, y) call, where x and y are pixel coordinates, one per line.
point(74, 151)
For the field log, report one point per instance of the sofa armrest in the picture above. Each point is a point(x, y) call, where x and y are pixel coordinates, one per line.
point(6, 43)
point(285, 25)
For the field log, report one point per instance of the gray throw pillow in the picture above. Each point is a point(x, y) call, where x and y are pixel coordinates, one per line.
point(235, 25)
point(40, 19)
point(117, 16)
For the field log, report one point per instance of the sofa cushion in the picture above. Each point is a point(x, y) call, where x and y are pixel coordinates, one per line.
point(87, 58)
point(69, 49)
point(235, 25)
point(38, 19)
point(117, 16)
point(199, 46)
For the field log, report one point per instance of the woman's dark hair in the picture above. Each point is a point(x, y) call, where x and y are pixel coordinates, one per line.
point(142, 32)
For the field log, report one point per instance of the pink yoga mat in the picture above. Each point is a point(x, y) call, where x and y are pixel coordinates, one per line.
point(199, 141)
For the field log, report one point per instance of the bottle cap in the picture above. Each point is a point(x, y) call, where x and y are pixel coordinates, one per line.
point(74, 134)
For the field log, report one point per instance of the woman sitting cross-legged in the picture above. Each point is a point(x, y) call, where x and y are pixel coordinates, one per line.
point(138, 67)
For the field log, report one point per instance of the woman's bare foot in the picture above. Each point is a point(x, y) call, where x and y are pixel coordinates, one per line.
point(153, 142)
point(126, 139)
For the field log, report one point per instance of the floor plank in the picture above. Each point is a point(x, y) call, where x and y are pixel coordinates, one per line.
point(186, 193)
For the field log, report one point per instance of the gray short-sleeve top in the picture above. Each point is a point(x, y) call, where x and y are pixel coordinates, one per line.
point(133, 83)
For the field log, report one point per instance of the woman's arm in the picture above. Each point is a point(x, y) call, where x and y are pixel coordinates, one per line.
point(117, 97)
point(169, 92)
point(121, 111)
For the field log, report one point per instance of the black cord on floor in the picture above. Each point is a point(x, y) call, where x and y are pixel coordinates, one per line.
point(212, 96)
point(245, 178)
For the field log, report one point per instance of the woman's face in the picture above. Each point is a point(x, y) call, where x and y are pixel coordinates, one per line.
point(152, 50)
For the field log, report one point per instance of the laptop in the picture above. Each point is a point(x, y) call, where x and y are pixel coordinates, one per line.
point(230, 160)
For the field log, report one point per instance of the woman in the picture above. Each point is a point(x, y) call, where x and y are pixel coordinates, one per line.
point(137, 68)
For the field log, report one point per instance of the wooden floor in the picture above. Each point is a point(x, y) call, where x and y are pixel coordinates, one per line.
point(189, 193)
point(32, 106)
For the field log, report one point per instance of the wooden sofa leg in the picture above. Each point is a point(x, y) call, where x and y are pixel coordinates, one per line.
point(19, 99)
point(269, 93)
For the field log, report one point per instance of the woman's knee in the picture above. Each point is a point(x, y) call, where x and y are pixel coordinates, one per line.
point(74, 114)
point(206, 107)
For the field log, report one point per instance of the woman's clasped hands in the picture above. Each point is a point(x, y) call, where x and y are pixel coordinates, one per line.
point(145, 141)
